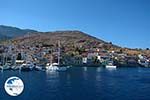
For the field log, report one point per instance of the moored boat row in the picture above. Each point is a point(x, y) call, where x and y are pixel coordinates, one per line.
point(29, 66)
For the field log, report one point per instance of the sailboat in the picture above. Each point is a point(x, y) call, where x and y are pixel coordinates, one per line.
point(5, 65)
point(56, 66)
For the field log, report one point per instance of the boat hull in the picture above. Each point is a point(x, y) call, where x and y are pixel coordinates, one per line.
point(109, 66)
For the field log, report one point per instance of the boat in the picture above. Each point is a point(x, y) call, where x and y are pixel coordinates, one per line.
point(5, 64)
point(144, 63)
point(15, 67)
point(56, 66)
point(6, 67)
point(52, 67)
point(111, 65)
point(1, 67)
point(29, 66)
point(63, 68)
point(38, 68)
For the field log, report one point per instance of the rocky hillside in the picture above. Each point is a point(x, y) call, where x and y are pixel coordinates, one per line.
point(8, 32)
point(67, 38)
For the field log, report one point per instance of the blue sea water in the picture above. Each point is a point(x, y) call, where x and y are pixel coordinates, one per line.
point(82, 83)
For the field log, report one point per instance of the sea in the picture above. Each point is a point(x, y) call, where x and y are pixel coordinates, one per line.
point(81, 83)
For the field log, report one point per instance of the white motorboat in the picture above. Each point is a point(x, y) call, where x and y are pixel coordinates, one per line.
point(110, 65)
point(55, 67)
point(52, 67)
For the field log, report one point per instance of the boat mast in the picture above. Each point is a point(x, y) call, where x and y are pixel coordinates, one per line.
point(58, 52)
point(51, 59)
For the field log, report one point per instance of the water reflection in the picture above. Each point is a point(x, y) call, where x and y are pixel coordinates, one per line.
point(85, 69)
point(111, 69)
point(68, 77)
point(52, 81)
point(1, 71)
point(85, 76)
point(52, 74)
point(98, 77)
point(99, 69)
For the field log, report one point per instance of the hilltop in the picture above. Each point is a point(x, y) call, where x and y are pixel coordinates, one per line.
point(8, 32)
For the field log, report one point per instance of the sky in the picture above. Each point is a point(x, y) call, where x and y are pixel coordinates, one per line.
point(123, 22)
